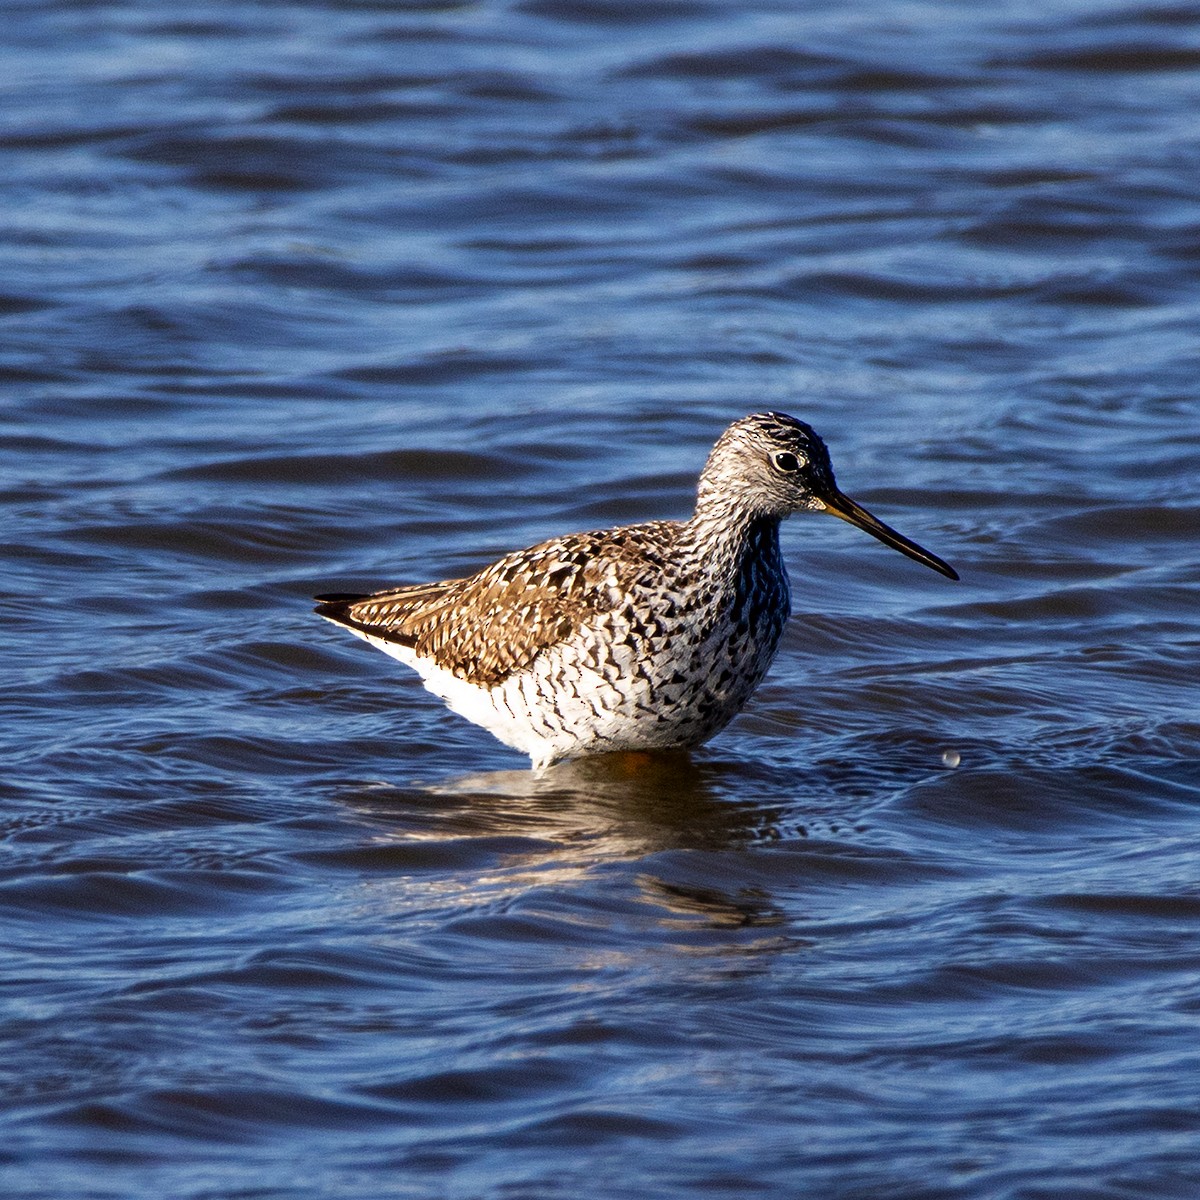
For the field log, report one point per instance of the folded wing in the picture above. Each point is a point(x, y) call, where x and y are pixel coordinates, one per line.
point(487, 626)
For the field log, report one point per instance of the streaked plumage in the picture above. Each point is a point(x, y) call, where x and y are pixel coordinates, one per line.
point(642, 637)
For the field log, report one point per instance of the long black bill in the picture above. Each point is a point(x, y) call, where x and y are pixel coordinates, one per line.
point(842, 506)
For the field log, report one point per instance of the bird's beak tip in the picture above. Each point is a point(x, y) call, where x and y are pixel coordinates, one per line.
point(841, 505)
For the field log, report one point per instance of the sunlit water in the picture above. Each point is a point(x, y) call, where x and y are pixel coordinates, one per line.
point(299, 297)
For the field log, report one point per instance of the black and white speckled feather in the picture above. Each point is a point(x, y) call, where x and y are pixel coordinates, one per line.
point(646, 636)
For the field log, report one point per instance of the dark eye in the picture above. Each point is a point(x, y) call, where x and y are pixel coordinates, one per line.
point(787, 462)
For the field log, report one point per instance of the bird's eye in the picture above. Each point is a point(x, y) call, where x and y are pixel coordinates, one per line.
point(788, 462)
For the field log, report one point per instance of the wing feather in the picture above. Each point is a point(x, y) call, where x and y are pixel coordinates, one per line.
point(497, 621)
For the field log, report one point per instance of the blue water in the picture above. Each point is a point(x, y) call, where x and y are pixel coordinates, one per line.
point(331, 296)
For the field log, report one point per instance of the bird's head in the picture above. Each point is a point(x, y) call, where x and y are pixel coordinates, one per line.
point(771, 465)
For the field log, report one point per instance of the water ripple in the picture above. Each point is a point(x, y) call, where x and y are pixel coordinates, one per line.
point(301, 297)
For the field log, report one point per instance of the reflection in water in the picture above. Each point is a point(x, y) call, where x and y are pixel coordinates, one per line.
point(520, 833)
point(623, 805)
point(751, 906)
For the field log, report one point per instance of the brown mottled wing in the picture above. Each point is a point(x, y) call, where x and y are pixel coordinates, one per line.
point(485, 627)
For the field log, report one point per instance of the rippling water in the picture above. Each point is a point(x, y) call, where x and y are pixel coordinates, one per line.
point(300, 297)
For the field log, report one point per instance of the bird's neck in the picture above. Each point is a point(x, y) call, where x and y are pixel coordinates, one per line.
point(726, 539)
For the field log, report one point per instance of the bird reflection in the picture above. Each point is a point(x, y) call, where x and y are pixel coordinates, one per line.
point(562, 825)
point(627, 804)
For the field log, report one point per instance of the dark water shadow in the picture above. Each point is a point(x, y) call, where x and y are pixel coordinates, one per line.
point(626, 805)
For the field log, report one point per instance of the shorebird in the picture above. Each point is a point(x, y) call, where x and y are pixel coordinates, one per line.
point(642, 637)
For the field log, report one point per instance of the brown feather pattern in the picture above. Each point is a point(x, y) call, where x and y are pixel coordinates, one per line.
point(490, 624)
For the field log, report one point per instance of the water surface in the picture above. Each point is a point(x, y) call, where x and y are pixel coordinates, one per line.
point(314, 296)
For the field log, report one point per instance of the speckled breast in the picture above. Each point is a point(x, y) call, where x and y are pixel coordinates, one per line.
point(662, 669)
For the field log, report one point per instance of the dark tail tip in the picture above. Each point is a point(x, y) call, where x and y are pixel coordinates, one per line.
point(334, 604)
